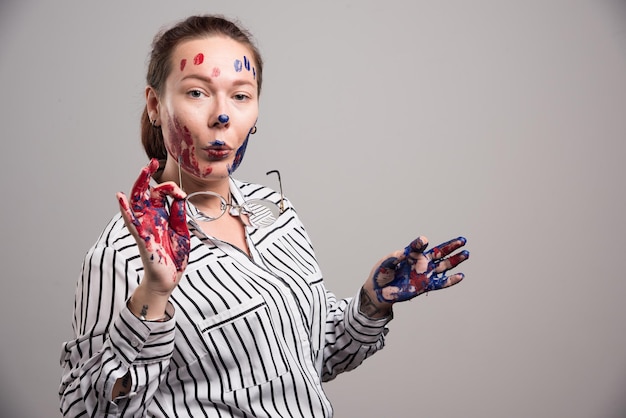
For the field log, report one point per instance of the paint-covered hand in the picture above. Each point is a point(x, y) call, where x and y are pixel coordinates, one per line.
point(406, 274)
point(163, 238)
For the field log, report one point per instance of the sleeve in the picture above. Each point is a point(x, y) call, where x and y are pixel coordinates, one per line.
point(350, 337)
point(111, 342)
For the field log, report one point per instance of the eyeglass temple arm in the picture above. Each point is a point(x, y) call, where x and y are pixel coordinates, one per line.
point(280, 187)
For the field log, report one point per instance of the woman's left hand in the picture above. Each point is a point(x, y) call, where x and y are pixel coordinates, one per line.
point(404, 275)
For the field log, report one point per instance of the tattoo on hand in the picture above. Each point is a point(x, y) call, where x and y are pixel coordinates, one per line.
point(367, 305)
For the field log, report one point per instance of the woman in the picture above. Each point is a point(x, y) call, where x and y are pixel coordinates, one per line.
point(193, 302)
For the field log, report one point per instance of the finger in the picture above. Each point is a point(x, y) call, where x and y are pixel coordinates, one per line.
point(159, 193)
point(142, 183)
point(385, 272)
point(443, 282)
point(418, 245)
point(178, 218)
point(452, 261)
point(171, 189)
point(127, 214)
point(446, 248)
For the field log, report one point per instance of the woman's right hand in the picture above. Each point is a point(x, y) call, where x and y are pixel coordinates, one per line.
point(163, 238)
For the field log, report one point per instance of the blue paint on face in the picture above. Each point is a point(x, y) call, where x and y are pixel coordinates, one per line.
point(238, 156)
point(217, 142)
point(246, 63)
point(238, 66)
point(223, 118)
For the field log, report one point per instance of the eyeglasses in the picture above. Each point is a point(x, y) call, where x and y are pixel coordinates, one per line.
point(256, 213)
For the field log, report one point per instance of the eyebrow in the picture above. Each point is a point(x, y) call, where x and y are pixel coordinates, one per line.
point(208, 80)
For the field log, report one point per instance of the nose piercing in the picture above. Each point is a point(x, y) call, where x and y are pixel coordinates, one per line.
point(223, 118)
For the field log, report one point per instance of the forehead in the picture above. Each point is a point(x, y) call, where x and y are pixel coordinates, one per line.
point(215, 50)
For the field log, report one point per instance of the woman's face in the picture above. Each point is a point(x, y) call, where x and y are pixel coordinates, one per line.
point(209, 106)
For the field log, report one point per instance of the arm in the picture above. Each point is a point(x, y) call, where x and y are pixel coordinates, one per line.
point(124, 343)
point(355, 328)
point(110, 341)
point(350, 335)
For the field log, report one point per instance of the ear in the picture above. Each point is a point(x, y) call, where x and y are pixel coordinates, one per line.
point(153, 105)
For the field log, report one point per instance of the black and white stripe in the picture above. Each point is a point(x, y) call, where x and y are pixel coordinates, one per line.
point(249, 336)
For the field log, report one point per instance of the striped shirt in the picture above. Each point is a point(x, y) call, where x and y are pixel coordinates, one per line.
point(248, 335)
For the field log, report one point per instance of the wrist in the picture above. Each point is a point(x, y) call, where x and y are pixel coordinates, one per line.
point(370, 306)
point(147, 305)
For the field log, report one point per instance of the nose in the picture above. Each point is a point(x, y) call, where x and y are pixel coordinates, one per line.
point(221, 120)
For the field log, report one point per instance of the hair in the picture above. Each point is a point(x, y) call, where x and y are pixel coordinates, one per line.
point(160, 64)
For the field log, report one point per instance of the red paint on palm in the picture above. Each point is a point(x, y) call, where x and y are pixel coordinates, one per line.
point(165, 234)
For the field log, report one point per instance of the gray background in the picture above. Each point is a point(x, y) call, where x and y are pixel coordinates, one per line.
point(503, 121)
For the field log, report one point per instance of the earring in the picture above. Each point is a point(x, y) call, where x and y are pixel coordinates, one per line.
point(253, 130)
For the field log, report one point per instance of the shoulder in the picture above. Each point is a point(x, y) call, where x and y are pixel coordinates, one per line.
point(253, 190)
point(258, 191)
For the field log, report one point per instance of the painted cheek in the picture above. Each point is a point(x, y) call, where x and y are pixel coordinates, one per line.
point(238, 157)
point(180, 144)
point(173, 144)
point(186, 135)
point(188, 161)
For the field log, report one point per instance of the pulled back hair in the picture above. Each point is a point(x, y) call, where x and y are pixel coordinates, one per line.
point(160, 65)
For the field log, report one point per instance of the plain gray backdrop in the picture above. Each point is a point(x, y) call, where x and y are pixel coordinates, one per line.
point(502, 121)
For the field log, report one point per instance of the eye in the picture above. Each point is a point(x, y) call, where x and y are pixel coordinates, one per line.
point(195, 93)
point(240, 97)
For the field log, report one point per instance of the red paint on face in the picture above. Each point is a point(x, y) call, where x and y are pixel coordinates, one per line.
point(216, 72)
point(198, 59)
point(181, 145)
point(183, 62)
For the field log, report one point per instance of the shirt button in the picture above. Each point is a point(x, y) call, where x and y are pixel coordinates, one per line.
point(134, 343)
